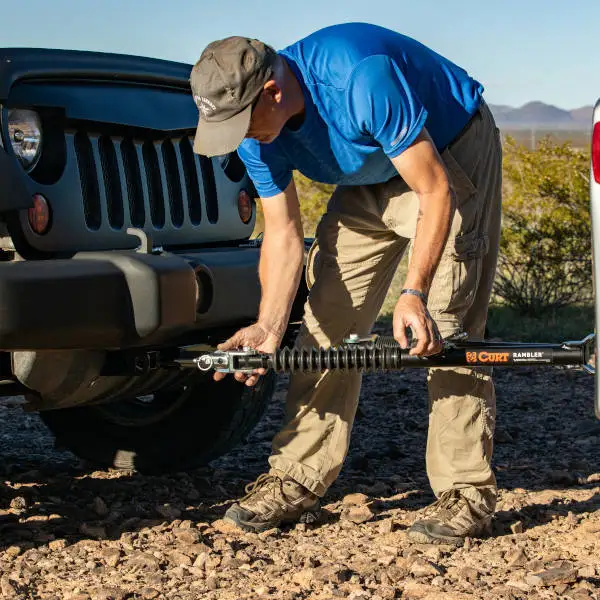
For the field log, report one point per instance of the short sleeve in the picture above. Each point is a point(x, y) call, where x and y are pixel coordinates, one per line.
point(383, 105)
point(268, 169)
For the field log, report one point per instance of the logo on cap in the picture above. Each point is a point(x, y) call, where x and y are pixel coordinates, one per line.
point(205, 106)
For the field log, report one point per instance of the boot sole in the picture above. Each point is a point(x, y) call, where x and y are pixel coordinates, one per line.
point(422, 537)
point(309, 516)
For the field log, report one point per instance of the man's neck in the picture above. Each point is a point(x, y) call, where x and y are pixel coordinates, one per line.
point(296, 96)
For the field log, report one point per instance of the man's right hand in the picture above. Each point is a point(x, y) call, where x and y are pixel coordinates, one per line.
point(257, 337)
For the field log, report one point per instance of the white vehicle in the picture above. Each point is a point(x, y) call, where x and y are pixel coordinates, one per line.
point(595, 200)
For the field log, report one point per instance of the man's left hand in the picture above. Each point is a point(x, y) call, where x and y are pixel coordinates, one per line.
point(411, 312)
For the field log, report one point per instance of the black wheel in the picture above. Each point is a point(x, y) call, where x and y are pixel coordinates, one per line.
point(169, 431)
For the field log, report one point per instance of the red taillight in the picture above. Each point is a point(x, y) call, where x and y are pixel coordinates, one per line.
point(596, 152)
point(39, 215)
point(245, 206)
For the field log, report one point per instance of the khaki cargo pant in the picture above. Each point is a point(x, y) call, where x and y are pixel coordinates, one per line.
point(359, 243)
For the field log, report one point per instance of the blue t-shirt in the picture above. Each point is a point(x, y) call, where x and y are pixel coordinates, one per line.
point(368, 92)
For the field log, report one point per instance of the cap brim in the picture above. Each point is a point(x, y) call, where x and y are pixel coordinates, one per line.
point(215, 138)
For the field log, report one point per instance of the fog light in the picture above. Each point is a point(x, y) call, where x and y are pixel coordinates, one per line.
point(39, 215)
point(245, 206)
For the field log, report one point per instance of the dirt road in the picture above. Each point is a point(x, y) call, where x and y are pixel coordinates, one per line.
point(69, 533)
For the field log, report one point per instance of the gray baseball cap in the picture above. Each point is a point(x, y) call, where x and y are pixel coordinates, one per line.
point(226, 80)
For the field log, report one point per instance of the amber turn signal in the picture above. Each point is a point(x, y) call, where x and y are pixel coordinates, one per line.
point(39, 215)
point(245, 206)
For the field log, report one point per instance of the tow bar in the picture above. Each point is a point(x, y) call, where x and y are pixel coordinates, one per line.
point(382, 353)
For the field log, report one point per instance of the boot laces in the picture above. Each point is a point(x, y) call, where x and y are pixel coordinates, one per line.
point(262, 481)
point(446, 507)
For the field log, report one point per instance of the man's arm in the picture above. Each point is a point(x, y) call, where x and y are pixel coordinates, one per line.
point(281, 258)
point(280, 269)
point(423, 170)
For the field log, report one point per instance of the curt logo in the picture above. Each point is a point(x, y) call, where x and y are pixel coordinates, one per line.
point(487, 357)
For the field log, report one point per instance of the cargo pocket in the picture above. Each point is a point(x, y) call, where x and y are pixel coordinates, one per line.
point(459, 272)
point(312, 264)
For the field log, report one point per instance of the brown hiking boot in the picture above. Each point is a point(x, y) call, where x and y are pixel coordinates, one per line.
point(272, 500)
point(450, 520)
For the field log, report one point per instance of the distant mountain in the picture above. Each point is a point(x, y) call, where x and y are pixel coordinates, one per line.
point(538, 115)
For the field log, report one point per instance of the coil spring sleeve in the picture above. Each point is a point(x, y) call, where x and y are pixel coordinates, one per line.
point(384, 354)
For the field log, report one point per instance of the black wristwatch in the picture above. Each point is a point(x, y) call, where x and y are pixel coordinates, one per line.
point(416, 293)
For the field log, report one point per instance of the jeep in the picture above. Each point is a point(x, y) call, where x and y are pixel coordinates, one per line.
point(121, 248)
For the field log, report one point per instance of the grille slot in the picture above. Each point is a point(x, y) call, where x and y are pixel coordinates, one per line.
point(88, 177)
point(191, 181)
point(173, 183)
point(210, 189)
point(155, 190)
point(112, 182)
point(133, 181)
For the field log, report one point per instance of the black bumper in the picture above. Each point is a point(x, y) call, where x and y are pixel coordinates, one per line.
point(95, 300)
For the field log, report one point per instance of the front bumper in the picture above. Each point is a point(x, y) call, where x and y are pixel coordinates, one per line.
point(115, 300)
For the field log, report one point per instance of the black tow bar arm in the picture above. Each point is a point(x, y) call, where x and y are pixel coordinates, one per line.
point(381, 353)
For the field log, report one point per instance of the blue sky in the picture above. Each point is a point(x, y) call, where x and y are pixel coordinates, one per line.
point(521, 50)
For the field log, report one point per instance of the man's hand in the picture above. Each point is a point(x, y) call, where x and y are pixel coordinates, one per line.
point(411, 312)
point(257, 337)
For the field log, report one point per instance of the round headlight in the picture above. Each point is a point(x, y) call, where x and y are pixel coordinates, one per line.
point(25, 133)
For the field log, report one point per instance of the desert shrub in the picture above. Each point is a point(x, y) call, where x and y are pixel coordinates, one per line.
point(545, 250)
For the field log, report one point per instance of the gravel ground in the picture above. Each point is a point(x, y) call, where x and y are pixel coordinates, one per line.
point(69, 533)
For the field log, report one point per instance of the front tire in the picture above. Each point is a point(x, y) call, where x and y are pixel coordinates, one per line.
point(170, 431)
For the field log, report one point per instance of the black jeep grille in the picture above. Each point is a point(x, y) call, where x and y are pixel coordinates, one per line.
point(146, 180)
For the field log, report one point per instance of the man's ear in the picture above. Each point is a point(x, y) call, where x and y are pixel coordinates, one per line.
point(273, 91)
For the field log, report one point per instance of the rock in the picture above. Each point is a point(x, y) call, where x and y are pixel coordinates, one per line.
point(516, 557)
point(552, 577)
point(111, 556)
point(149, 593)
point(331, 574)
point(201, 559)
point(358, 514)
point(13, 551)
point(535, 565)
point(56, 545)
point(8, 588)
point(94, 531)
point(386, 559)
point(99, 507)
point(168, 511)
point(386, 526)
point(225, 526)
point(355, 500)
point(269, 533)
point(396, 573)
point(587, 572)
point(593, 478)
point(188, 536)
point(520, 584)
point(564, 477)
point(414, 590)
point(242, 557)
point(424, 568)
point(469, 574)
point(109, 593)
point(304, 578)
point(179, 559)
point(144, 561)
point(517, 527)
point(212, 583)
point(18, 503)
